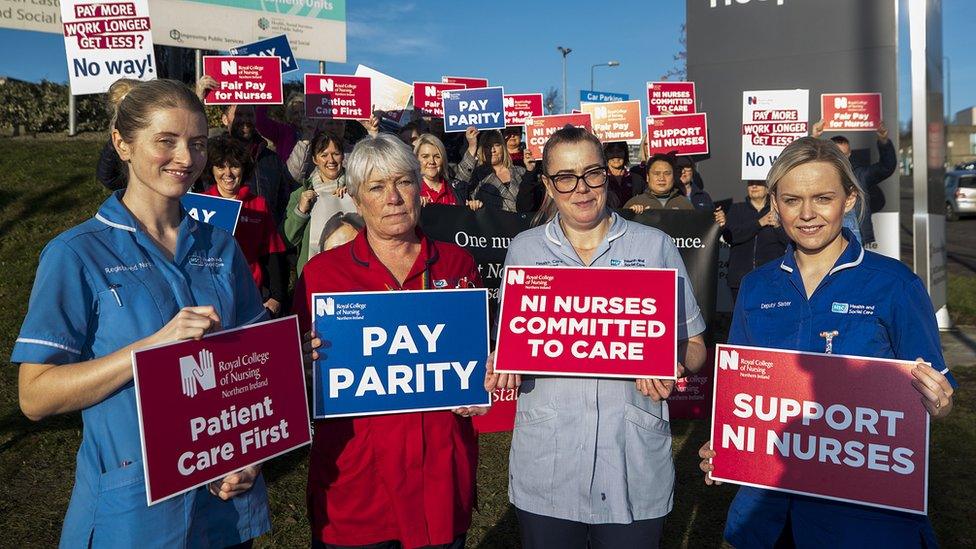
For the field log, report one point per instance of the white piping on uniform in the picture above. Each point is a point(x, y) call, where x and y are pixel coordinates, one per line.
point(854, 263)
point(99, 217)
point(550, 236)
point(48, 343)
point(623, 229)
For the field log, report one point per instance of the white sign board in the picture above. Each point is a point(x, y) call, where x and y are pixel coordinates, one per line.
point(771, 120)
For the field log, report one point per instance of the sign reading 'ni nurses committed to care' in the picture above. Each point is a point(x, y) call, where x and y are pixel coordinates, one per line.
point(393, 352)
point(483, 108)
point(244, 80)
point(211, 407)
point(850, 112)
point(539, 129)
point(427, 97)
point(337, 97)
point(215, 210)
point(105, 41)
point(685, 133)
point(601, 322)
point(271, 47)
point(838, 427)
point(670, 97)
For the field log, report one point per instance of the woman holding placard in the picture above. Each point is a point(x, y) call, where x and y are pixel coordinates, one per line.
point(590, 464)
point(801, 303)
point(141, 273)
point(402, 480)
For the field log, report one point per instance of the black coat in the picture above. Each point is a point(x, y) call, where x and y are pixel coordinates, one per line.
point(751, 244)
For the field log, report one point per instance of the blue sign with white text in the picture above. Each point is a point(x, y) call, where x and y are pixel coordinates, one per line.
point(395, 352)
point(483, 108)
point(590, 96)
point(215, 210)
point(270, 47)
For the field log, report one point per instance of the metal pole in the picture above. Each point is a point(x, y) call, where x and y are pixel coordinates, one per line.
point(198, 54)
point(592, 68)
point(72, 114)
point(564, 83)
point(948, 90)
point(321, 67)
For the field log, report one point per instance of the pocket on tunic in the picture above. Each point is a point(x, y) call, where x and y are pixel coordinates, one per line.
point(646, 420)
point(532, 461)
point(649, 467)
point(122, 517)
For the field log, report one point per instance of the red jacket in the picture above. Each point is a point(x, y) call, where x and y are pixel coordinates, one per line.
point(407, 477)
point(256, 233)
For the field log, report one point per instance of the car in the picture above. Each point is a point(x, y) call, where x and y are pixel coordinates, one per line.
point(960, 193)
point(969, 165)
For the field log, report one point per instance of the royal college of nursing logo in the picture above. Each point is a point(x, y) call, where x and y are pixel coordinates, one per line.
point(197, 371)
point(515, 276)
point(325, 306)
point(728, 360)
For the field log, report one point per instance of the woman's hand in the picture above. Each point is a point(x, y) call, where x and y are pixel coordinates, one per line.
point(499, 381)
point(706, 454)
point(189, 323)
point(638, 208)
point(934, 387)
point(235, 484)
point(470, 411)
point(657, 389)
point(310, 345)
point(475, 205)
point(273, 306)
point(817, 129)
point(372, 124)
point(424, 201)
point(340, 192)
point(720, 217)
point(205, 85)
point(471, 135)
point(528, 160)
point(306, 200)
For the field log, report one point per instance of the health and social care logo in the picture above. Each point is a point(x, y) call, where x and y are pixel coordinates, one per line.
point(194, 373)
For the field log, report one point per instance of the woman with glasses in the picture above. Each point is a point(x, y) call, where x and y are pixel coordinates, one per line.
point(590, 464)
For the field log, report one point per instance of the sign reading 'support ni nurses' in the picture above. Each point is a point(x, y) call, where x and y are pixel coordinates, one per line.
point(850, 112)
point(683, 134)
point(337, 97)
point(210, 407)
point(771, 120)
point(623, 325)
point(244, 80)
point(105, 41)
point(395, 352)
point(215, 210)
point(838, 427)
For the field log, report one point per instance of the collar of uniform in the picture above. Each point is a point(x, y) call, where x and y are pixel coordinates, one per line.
point(851, 256)
point(558, 241)
point(362, 252)
point(114, 214)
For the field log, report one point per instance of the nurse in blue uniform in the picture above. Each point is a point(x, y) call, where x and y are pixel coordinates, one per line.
point(141, 272)
point(828, 294)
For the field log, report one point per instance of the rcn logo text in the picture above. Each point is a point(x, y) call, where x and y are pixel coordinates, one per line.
point(728, 360)
point(197, 371)
point(228, 68)
point(325, 306)
point(515, 276)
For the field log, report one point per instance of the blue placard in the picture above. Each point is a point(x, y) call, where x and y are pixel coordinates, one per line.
point(590, 96)
point(215, 210)
point(483, 108)
point(271, 47)
point(394, 352)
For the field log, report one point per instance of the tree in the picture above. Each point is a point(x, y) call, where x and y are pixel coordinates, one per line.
point(552, 101)
point(679, 71)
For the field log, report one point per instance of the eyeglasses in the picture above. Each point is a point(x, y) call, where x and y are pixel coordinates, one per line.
point(567, 182)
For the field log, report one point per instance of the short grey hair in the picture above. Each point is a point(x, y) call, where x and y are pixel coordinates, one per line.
point(811, 149)
point(382, 155)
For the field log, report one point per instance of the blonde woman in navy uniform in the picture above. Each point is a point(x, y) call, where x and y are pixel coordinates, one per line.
point(807, 302)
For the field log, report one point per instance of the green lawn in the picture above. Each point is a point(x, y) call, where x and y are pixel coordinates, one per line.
point(48, 186)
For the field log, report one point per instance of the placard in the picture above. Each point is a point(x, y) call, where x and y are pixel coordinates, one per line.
point(396, 352)
point(838, 427)
point(105, 41)
point(337, 97)
point(624, 324)
point(685, 133)
point(850, 112)
point(388, 94)
point(670, 97)
point(211, 407)
point(215, 210)
point(519, 106)
point(467, 81)
point(616, 121)
point(427, 97)
point(244, 80)
point(538, 129)
point(483, 108)
point(271, 47)
point(771, 120)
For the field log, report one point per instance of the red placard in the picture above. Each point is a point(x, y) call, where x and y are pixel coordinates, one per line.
point(539, 128)
point(692, 395)
point(501, 415)
point(519, 106)
point(850, 112)
point(244, 80)
point(838, 427)
point(337, 97)
point(673, 97)
point(211, 407)
point(685, 133)
point(469, 82)
point(427, 97)
point(600, 322)
point(616, 120)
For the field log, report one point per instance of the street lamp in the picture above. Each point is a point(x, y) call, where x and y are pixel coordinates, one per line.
point(948, 90)
point(565, 52)
point(607, 64)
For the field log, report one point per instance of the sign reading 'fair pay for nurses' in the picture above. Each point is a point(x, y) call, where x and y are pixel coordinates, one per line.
point(211, 407)
point(244, 80)
point(838, 427)
point(600, 322)
point(393, 352)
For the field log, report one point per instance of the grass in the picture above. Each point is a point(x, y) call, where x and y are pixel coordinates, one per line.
point(48, 186)
point(961, 296)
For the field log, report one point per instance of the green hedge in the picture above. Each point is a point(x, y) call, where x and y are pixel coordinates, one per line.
point(43, 107)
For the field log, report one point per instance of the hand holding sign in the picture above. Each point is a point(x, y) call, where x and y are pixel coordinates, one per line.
point(706, 454)
point(934, 387)
point(235, 484)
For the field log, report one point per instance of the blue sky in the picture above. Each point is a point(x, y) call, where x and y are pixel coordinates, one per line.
point(511, 43)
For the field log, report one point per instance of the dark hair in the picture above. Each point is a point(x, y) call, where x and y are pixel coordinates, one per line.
point(512, 130)
point(840, 140)
point(684, 162)
point(661, 157)
point(617, 149)
point(227, 150)
point(137, 107)
point(413, 125)
point(573, 135)
point(485, 141)
point(322, 140)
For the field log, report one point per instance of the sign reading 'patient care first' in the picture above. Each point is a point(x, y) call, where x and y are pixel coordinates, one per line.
point(601, 322)
point(392, 352)
point(211, 407)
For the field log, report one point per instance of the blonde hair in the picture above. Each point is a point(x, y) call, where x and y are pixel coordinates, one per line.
point(431, 139)
point(811, 149)
point(489, 139)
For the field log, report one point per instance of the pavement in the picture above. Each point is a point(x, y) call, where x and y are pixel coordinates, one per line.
point(959, 346)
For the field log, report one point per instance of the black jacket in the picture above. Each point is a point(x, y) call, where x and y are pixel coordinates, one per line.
point(111, 171)
point(528, 198)
point(751, 245)
point(869, 177)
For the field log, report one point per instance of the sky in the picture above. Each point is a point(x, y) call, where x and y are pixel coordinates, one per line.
point(511, 43)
